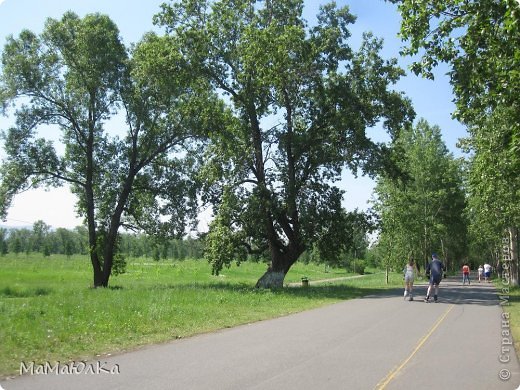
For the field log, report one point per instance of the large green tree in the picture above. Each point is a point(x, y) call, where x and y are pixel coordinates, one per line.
point(425, 211)
point(480, 41)
point(77, 75)
point(302, 101)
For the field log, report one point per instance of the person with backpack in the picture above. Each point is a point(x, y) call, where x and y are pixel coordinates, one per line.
point(435, 271)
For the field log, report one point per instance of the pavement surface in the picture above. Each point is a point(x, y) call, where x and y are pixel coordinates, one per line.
point(376, 342)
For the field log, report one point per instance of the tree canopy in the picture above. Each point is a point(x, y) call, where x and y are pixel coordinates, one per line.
point(302, 101)
point(72, 79)
point(480, 40)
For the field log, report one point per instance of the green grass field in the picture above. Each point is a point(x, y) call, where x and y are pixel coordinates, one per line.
point(49, 312)
point(510, 299)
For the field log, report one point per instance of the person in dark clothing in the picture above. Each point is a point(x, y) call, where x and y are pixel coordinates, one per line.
point(435, 270)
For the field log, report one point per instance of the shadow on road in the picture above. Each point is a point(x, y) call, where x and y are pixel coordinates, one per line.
point(339, 291)
point(452, 291)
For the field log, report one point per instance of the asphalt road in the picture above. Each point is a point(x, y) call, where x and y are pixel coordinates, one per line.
point(377, 342)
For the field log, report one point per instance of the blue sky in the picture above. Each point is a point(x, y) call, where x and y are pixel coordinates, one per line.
point(432, 100)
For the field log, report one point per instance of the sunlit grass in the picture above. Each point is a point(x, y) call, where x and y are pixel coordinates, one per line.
point(510, 301)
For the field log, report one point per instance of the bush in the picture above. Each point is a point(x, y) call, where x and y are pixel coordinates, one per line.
point(357, 265)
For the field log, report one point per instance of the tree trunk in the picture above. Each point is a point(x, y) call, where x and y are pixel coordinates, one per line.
point(284, 252)
point(108, 254)
point(107, 267)
point(98, 272)
point(513, 250)
point(103, 270)
point(275, 274)
point(101, 276)
point(271, 279)
point(280, 265)
point(510, 256)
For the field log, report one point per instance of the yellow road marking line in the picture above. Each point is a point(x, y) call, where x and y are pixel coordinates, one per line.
point(384, 382)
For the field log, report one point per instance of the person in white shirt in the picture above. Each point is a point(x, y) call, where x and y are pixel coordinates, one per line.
point(480, 272)
point(487, 272)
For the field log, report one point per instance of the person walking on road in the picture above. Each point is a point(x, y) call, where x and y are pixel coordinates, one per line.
point(487, 272)
point(434, 269)
point(480, 272)
point(408, 280)
point(465, 274)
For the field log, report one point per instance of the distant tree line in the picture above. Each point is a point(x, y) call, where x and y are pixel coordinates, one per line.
point(47, 241)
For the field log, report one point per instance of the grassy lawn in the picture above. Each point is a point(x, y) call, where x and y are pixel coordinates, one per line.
point(511, 304)
point(48, 312)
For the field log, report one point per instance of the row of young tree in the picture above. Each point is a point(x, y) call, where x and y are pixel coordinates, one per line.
point(424, 210)
point(480, 41)
point(245, 106)
point(46, 241)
